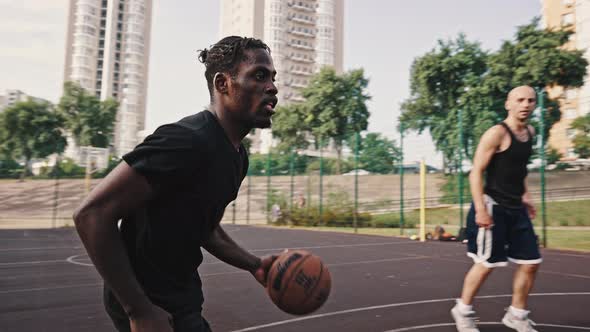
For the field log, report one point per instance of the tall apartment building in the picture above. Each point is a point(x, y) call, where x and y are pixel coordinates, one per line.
point(107, 53)
point(303, 35)
point(571, 15)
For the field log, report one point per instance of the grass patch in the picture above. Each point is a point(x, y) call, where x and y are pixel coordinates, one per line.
point(568, 213)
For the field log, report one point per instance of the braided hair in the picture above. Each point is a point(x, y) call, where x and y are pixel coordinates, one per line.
point(226, 55)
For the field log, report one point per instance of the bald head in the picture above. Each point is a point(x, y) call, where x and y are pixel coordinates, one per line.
point(520, 102)
point(521, 90)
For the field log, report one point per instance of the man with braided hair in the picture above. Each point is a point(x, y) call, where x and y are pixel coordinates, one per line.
point(170, 193)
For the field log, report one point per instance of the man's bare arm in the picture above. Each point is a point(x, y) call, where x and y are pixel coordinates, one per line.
point(96, 220)
point(487, 147)
point(222, 246)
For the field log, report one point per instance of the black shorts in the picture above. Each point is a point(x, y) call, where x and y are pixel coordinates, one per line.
point(191, 322)
point(512, 237)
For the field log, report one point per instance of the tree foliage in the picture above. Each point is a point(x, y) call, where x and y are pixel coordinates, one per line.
point(377, 154)
point(334, 108)
point(90, 121)
point(460, 75)
point(31, 129)
point(582, 139)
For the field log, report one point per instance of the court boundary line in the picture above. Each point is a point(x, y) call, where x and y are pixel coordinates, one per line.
point(543, 271)
point(390, 305)
point(421, 327)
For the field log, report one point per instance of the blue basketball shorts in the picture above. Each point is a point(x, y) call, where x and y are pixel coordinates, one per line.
point(511, 238)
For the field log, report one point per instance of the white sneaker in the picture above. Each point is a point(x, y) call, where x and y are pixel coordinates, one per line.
point(464, 322)
point(520, 325)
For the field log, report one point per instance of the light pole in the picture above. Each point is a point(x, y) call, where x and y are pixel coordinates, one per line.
point(401, 179)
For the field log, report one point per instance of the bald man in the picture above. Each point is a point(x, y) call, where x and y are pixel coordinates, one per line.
point(499, 227)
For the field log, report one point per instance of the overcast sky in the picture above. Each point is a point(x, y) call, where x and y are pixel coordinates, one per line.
point(381, 36)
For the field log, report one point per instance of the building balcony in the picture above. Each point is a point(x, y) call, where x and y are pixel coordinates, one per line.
point(300, 73)
point(301, 33)
point(296, 5)
point(298, 85)
point(300, 59)
point(302, 47)
point(295, 18)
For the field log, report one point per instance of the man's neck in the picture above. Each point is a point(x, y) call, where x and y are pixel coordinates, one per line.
point(515, 123)
point(233, 130)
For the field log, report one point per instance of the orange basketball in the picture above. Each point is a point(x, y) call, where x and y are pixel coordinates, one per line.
point(298, 282)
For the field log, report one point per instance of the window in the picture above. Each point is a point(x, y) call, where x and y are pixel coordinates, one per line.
point(567, 19)
point(570, 113)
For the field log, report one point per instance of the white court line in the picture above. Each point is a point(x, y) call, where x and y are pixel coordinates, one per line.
point(412, 328)
point(391, 305)
point(547, 253)
point(71, 260)
point(39, 248)
point(47, 288)
point(339, 246)
point(541, 270)
point(32, 262)
point(328, 265)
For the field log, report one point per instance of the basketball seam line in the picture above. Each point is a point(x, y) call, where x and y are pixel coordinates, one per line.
point(291, 277)
point(317, 283)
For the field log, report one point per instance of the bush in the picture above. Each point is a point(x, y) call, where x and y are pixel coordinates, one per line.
point(66, 169)
point(10, 169)
point(337, 212)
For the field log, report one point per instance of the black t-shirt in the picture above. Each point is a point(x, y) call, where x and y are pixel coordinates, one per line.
point(195, 172)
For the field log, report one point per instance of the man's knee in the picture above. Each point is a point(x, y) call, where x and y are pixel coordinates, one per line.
point(482, 269)
point(529, 268)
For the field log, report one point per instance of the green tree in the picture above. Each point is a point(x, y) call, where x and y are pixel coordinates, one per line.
point(582, 139)
point(31, 129)
point(289, 127)
point(335, 107)
point(459, 75)
point(439, 79)
point(279, 163)
point(90, 121)
point(377, 154)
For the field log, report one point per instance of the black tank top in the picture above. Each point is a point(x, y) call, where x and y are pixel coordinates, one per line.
point(507, 170)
